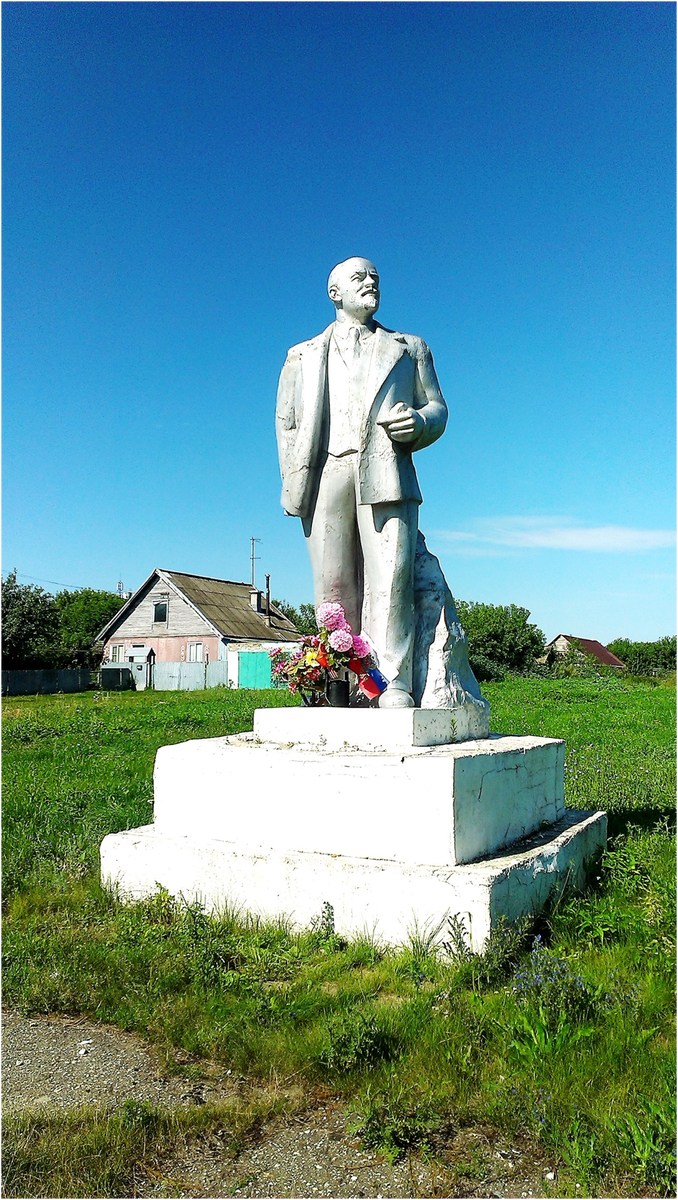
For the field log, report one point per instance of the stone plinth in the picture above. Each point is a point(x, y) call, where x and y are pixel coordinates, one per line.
point(375, 729)
point(389, 899)
point(368, 810)
point(431, 804)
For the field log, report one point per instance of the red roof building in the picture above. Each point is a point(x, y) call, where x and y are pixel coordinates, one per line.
point(566, 641)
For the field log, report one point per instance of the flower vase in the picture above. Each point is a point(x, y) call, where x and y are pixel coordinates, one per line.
point(337, 693)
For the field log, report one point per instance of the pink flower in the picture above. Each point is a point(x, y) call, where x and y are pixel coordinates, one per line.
point(341, 639)
point(361, 647)
point(331, 616)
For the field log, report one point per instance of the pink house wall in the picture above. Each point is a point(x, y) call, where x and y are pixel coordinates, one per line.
point(167, 649)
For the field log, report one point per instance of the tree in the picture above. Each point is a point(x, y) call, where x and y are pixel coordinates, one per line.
point(501, 638)
point(83, 614)
point(641, 658)
point(30, 625)
point(303, 617)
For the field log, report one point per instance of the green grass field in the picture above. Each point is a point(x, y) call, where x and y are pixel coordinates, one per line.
point(566, 1040)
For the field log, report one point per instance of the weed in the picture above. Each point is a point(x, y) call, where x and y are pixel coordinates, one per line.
point(138, 1114)
point(647, 1137)
point(537, 1037)
point(323, 931)
point(583, 1149)
point(353, 1040)
point(393, 1125)
point(502, 948)
point(549, 983)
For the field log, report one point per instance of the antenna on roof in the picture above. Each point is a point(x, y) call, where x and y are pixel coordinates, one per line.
point(255, 558)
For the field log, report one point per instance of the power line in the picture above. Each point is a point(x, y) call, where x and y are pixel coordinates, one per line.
point(56, 582)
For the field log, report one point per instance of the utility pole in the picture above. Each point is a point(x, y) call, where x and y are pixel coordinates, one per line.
point(255, 558)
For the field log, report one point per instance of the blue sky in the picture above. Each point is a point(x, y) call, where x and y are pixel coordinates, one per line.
point(178, 181)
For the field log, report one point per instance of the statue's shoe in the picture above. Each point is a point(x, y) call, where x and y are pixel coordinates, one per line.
point(395, 698)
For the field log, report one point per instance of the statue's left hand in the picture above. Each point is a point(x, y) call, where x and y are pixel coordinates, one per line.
point(403, 424)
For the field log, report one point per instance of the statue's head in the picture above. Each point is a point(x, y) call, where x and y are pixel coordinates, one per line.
point(353, 286)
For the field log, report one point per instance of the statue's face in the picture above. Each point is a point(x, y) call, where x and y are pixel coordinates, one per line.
point(356, 286)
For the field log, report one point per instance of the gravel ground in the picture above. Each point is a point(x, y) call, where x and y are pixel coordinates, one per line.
point(312, 1155)
point(58, 1063)
point(55, 1063)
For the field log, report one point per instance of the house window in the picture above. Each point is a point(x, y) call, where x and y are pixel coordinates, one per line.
point(195, 651)
point(160, 612)
point(117, 654)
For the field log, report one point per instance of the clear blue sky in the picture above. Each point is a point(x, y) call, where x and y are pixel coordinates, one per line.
point(178, 181)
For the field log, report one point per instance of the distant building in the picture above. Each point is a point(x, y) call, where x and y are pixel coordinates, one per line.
point(565, 641)
point(176, 618)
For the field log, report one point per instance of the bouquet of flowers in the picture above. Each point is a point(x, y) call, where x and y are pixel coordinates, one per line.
point(321, 656)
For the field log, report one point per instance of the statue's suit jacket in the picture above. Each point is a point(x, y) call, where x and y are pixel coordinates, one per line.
point(401, 369)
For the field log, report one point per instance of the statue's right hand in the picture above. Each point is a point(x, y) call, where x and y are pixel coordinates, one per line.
point(403, 424)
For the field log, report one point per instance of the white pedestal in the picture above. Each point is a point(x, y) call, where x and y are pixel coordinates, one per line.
point(388, 899)
point(433, 804)
point(375, 729)
point(365, 809)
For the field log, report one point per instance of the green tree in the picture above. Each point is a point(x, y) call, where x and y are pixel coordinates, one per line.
point(641, 658)
point(30, 626)
point(303, 617)
point(83, 614)
point(501, 638)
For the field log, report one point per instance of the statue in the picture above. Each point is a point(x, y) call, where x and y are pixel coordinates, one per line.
point(353, 405)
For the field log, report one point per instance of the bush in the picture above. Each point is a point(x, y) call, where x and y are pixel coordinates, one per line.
point(501, 638)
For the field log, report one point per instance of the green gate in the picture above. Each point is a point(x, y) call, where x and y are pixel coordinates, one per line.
point(254, 669)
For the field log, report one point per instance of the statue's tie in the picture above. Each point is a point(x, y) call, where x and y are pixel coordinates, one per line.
point(354, 347)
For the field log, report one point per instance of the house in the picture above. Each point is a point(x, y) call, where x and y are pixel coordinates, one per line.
point(565, 641)
point(178, 618)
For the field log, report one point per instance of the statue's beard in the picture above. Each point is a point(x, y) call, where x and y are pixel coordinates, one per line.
point(369, 304)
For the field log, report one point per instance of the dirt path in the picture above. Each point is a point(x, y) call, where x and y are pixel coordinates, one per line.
point(53, 1064)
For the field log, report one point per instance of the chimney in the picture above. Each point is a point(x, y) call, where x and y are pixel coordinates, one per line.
point(268, 599)
point(255, 599)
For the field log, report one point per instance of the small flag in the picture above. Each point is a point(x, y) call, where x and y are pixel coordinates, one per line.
point(373, 683)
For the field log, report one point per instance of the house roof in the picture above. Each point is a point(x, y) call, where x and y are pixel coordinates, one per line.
point(594, 648)
point(224, 603)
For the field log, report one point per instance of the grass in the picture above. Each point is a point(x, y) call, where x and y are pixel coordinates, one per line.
point(90, 1152)
point(79, 767)
point(567, 1041)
